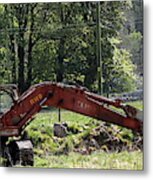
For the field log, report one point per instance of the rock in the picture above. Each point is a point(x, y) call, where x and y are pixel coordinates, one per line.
point(60, 130)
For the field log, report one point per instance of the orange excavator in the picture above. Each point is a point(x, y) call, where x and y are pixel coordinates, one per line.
point(16, 112)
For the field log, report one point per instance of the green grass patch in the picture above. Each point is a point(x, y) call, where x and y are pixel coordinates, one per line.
point(137, 104)
point(54, 152)
point(97, 160)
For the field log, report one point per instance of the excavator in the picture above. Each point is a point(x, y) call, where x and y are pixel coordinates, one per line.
point(17, 111)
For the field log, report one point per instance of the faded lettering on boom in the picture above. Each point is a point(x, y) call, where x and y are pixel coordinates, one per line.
point(83, 105)
point(36, 99)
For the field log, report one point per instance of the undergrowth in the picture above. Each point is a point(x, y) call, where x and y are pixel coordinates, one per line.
point(81, 148)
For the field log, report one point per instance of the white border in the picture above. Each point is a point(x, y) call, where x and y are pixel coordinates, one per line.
point(72, 174)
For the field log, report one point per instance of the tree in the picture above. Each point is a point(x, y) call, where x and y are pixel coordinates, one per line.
point(22, 20)
point(132, 34)
point(57, 42)
point(120, 73)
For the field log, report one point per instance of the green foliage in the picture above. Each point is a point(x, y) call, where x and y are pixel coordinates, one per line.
point(5, 73)
point(98, 160)
point(119, 71)
point(123, 76)
point(133, 42)
point(51, 151)
point(132, 34)
point(57, 42)
point(137, 104)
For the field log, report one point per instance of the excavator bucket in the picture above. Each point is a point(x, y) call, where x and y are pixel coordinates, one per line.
point(19, 153)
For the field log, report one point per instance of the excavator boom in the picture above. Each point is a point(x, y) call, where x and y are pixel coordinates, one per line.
point(20, 113)
point(73, 98)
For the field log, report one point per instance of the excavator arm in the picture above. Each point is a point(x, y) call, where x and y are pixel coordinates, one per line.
point(74, 98)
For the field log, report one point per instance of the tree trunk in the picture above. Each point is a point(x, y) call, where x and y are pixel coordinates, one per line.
point(60, 58)
point(22, 17)
point(30, 47)
point(90, 75)
point(12, 58)
point(29, 65)
point(21, 68)
point(59, 63)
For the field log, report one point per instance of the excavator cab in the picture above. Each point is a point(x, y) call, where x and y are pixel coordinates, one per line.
point(8, 96)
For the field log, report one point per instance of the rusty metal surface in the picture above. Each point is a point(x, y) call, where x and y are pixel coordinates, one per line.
point(73, 98)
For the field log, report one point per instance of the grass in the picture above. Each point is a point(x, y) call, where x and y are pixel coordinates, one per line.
point(49, 150)
point(97, 160)
point(137, 104)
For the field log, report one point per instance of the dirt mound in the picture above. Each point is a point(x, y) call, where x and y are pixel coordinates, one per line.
point(110, 138)
point(85, 139)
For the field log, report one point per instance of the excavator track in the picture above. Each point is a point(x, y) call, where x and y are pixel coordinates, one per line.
point(21, 153)
point(17, 153)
